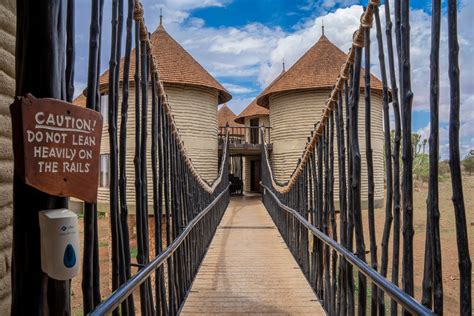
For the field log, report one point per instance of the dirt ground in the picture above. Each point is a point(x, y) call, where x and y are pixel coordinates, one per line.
point(448, 238)
point(448, 244)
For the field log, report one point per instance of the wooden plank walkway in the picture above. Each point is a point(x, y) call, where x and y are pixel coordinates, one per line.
point(249, 270)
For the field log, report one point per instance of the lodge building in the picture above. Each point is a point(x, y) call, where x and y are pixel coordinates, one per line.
point(294, 102)
point(287, 109)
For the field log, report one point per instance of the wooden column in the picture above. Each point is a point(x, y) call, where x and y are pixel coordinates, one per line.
point(40, 70)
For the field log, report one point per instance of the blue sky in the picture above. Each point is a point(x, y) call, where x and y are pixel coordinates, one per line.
point(243, 42)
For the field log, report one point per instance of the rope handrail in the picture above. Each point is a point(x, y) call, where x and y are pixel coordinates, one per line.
point(139, 18)
point(366, 20)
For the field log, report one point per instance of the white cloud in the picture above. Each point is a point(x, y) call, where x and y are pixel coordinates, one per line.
point(238, 104)
point(223, 51)
point(324, 6)
point(178, 10)
point(256, 50)
point(339, 27)
point(237, 89)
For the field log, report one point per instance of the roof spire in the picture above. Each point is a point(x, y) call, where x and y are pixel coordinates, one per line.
point(161, 16)
point(322, 26)
point(283, 65)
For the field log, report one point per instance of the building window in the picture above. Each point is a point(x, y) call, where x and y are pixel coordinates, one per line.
point(104, 179)
point(104, 107)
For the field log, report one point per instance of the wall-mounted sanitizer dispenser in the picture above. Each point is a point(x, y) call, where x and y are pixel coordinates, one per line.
point(59, 243)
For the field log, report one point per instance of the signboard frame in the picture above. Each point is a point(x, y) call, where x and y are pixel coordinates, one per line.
point(57, 146)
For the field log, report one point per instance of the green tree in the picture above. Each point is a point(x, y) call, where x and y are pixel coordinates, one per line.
point(443, 169)
point(416, 144)
point(468, 162)
point(421, 167)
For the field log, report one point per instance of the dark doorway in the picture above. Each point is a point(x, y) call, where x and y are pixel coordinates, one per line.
point(254, 131)
point(255, 175)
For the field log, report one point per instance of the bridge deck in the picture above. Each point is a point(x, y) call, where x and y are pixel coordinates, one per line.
point(248, 269)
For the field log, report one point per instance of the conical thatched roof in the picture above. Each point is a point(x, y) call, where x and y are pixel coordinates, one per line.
point(175, 65)
point(318, 68)
point(226, 116)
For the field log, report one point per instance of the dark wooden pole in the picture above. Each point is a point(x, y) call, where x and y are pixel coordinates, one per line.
point(395, 155)
point(342, 201)
point(407, 193)
point(123, 148)
point(356, 175)
point(388, 160)
point(465, 266)
point(70, 50)
point(432, 275)
point(332, 212)
point(434, 154)
point(370, 166)
point(112, 118)
point(40, 70)
point(90, 269)
point(350, 212)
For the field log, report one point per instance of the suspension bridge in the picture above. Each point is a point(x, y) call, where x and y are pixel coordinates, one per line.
point(296, 248)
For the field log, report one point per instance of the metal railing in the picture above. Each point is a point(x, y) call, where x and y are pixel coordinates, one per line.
point(218, 205)
point(245, 134)
point(405, 300)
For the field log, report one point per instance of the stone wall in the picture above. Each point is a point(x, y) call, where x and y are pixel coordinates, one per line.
point(7, 90)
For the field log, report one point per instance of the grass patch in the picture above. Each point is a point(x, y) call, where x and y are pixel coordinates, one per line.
point(133, 252)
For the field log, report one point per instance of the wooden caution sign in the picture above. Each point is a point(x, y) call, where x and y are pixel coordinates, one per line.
point(57, 146)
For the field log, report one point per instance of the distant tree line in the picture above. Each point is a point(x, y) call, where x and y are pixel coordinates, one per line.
point(421, 162)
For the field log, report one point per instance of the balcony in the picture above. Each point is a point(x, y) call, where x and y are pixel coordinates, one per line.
point(245, 140)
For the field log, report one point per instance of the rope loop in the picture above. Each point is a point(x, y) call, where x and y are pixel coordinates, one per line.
point(358, 39)
point(138, 11)
point(374, 3)
point(340, 82)
point(366, 19)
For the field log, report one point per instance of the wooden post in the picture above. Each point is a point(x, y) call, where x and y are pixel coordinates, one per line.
point(40, 70)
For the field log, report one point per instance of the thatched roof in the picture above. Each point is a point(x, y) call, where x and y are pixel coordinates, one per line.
point(318, 68)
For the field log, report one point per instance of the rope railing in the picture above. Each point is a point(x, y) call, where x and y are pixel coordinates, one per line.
point(327, 233)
